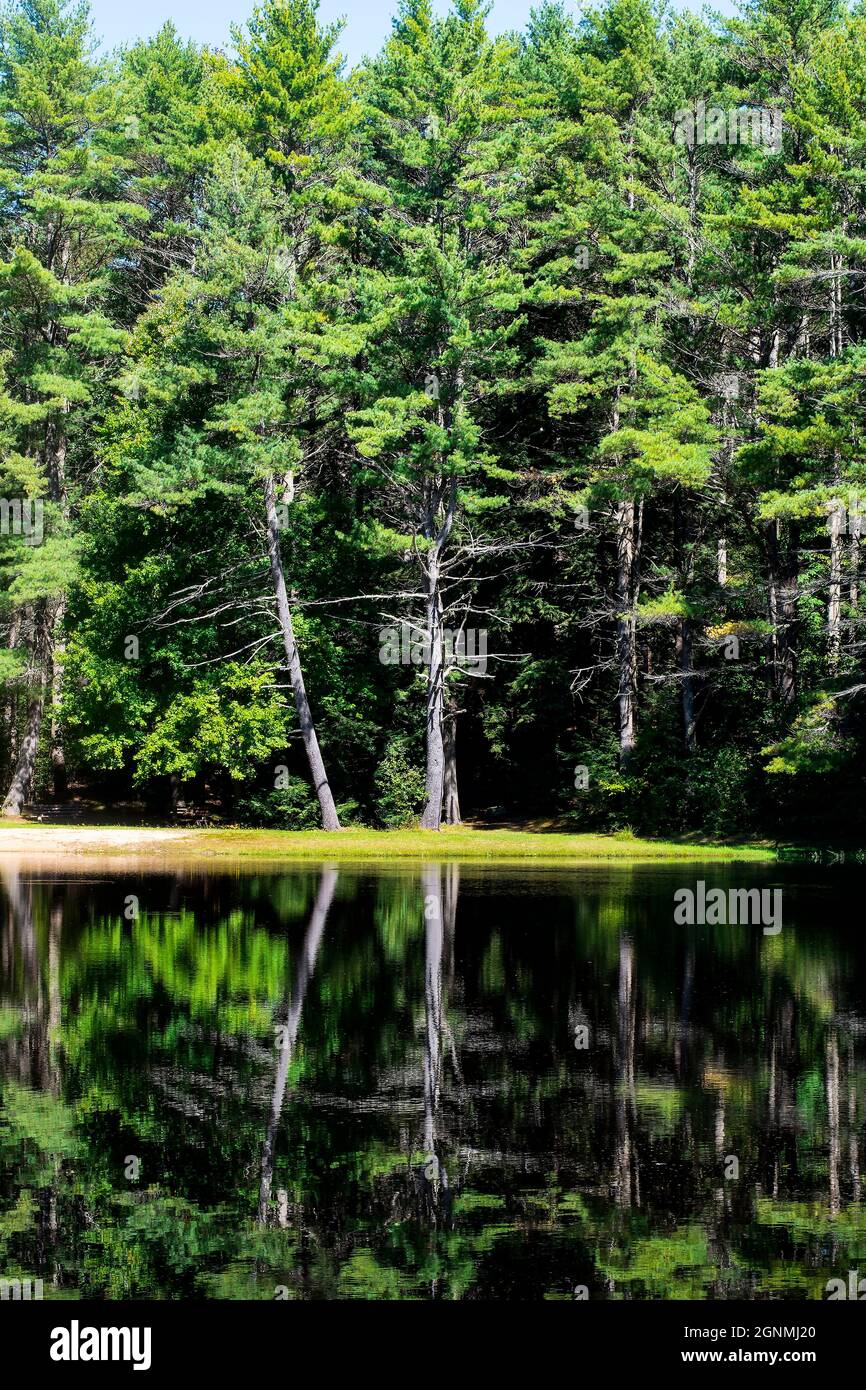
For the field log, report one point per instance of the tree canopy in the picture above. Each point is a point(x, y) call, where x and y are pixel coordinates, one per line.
point(476, 432)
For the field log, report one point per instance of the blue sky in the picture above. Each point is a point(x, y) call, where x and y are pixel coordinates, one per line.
point(208, 21)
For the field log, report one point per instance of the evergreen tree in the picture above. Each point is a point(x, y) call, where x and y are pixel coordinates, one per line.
point(64, 223)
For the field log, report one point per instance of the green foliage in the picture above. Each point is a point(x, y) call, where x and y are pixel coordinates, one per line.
point(816, 744)
point(488, 323)
point(399, 785)
point(286, 808)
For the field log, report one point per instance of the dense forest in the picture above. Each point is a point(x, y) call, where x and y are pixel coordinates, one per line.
point(480, 431)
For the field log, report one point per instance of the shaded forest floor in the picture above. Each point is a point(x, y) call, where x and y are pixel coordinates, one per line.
point(454, 842)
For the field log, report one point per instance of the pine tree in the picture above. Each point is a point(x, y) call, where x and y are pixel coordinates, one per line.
point(438, 310)
point(604, 254)
point(64, 223)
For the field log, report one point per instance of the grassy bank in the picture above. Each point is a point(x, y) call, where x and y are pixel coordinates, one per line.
point(458, 842)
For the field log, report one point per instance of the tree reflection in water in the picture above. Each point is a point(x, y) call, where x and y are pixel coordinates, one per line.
point(426, 1127)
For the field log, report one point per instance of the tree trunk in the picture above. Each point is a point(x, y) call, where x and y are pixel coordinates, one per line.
point(693, 175)
point(626, 1178)
point(834, 599)
point(433, 942)
point(784, 592)
point(836, 325)
point(11, 720)
point(435, 773)
point(625, 627)
point(306, 967)
point(853, 1128)
point(788, 593)
point(330, 820)
point(685, 634)
point(58, 755)
point(22, 778)
point(450, 896)
point(855, 528)
point(437, 1188)
point(451, 798)
point(55, 995)
point(832, 1092)
point(773, 607)
point(46, 625)
point(10, 711)
point(688, 684)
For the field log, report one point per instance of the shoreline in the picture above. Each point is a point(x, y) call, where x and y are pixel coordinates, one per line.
point(299, 846)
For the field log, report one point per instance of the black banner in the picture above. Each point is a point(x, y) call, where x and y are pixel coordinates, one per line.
point(83, 1341)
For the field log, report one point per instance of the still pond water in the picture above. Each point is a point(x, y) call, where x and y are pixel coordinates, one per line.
point(429, 1082)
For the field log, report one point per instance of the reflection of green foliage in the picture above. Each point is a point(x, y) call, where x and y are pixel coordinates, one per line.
point(39, 1120)
point(814, 1221)
point(141, 1231)
point(166, 1051)
point(663, 1105)
point(18, 1218)
point(493, 969)
point(816, 1231)
point(362, 1276)
point(10, 1021)
point(673, 1266)
point(468, 1202)
point(238, 972)
point(399, 909)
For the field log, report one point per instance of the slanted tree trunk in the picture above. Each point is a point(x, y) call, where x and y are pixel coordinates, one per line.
point(451, 807)
point(22, 777)
point(625, 628)
point(306, 967)
point(330, 820)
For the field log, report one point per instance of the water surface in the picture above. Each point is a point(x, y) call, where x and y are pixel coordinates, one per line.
point(428, 1082)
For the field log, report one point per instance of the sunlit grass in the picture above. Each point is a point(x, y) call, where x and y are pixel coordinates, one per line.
point(452, 842)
